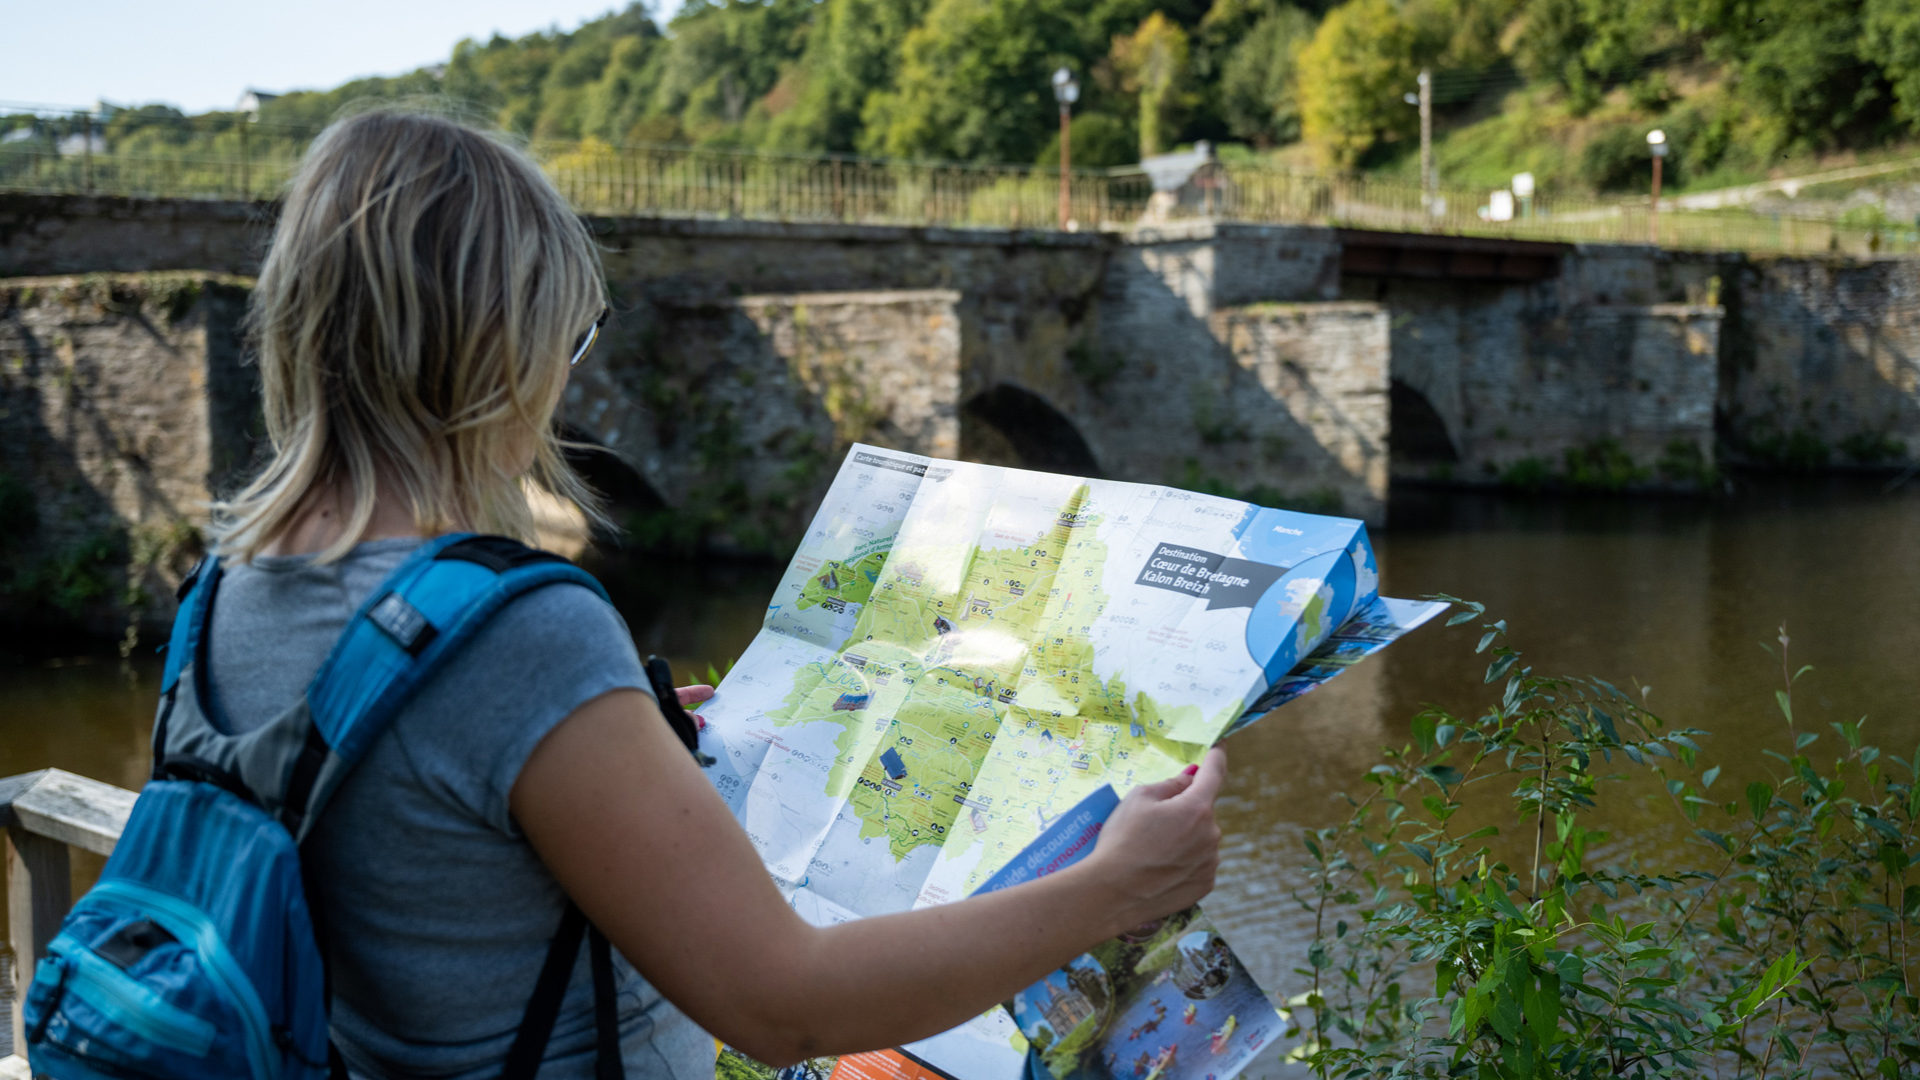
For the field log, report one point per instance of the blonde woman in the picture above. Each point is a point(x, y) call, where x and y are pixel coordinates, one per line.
point(425, 296)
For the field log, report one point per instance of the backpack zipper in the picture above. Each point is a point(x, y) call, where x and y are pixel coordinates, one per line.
point(130, 1004)
point(189, 924)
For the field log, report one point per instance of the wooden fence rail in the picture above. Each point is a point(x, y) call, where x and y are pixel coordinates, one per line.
point(45, 815)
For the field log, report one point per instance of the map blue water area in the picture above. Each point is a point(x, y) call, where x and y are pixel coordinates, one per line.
point(1274, 630)
point(1285, 537)
point(1320, 554)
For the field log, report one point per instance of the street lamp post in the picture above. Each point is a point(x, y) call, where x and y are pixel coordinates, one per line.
point(1424, 99)
point(1656, 142)
point(1066, 92)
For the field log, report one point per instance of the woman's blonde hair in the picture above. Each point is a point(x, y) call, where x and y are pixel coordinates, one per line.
point(414, 318)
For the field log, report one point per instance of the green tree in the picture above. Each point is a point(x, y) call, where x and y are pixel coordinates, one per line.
point(972, 84)
point(852, 52)
point(1800, 63)
point(725, 55)
point(1153, 66)
point(972, 81)
point(1586, 46)
point(1257, 96)
point(1891, 38)
point(1352, 75)
point(503, 76)
point(616, 102)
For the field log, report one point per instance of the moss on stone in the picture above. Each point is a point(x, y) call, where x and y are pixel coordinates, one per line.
point(1685, 464)
point(170, 295)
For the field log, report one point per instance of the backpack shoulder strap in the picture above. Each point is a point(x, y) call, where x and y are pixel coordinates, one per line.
point(189, 630)
point(421, 615)
point(190, 621)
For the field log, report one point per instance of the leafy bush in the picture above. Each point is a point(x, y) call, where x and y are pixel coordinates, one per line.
point(1868, 216)
point(1100, 141)
point(1683, 462)
point(1602, 465)
point(1616, 159)
point(1444, 949)
point(1527, 474)
point(1873, 448)
point(1652, 94)
point(81, 573)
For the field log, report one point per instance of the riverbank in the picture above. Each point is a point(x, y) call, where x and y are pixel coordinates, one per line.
point(1673, 595)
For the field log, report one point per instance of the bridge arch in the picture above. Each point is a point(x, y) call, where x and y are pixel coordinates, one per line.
point(1006, 425)
point(1417, 435)
point(626, 495)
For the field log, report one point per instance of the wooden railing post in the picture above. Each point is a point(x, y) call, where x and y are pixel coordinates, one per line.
point(38, 896)
point(43, 814)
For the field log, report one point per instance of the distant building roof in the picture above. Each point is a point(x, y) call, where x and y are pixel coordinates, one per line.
point(78, 143)
point(1171, 172)
point(252, 100)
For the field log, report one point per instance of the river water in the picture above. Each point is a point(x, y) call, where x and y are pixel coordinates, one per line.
point(1671, 595)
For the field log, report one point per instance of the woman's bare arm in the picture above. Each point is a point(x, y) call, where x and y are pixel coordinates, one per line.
point(641, 841)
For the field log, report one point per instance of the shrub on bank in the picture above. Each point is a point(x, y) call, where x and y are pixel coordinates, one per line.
point(1445, 949)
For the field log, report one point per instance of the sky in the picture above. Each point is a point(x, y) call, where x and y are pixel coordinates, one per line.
point(202, 54)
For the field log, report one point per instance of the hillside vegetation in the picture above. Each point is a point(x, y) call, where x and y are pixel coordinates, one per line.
point(1564, 88)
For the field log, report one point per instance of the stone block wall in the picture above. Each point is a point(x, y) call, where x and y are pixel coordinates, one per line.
point(1275, 402)
point(1024, 297)
point(1317, 430)
point(124, 407)
point(1824, 367)
point(743, 355)
point(736, 414)
point(1607, 380)
point(84, 234)
point(1532, 388)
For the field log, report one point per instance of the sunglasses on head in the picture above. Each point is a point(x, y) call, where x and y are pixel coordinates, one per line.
point(587, 339)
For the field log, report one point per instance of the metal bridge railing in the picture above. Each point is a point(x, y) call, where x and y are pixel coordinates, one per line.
point(659, 180)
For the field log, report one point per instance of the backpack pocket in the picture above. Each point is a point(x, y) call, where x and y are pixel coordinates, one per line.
point(119, 994)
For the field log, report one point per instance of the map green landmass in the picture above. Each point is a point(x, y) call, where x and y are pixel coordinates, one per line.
point(844, 583)
point(956, 648)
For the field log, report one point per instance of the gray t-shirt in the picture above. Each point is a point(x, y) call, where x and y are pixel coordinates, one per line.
point(438, 912)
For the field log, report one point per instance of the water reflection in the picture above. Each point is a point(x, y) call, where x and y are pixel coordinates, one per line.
point(1671, 595)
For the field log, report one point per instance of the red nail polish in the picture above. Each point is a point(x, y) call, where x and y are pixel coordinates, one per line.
point(1191, 769)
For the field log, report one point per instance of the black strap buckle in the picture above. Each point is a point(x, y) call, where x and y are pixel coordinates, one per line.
point(187, 583)
point(660, 675)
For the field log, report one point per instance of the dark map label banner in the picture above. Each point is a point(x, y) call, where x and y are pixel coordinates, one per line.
point(1223, 581)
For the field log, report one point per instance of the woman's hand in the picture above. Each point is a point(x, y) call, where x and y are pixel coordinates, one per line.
point(1161, 847)
point(693, 695)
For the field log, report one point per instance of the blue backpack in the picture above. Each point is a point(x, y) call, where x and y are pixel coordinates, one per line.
point(197, 954)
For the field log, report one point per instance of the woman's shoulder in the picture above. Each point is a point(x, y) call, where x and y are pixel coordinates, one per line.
point(536, 660)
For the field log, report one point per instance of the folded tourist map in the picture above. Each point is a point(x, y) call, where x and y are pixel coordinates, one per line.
point(960, 654)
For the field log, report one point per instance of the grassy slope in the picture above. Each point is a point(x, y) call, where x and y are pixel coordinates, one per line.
point(1482, 144)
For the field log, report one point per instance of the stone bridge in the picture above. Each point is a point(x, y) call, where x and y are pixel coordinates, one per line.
point(1294, 365)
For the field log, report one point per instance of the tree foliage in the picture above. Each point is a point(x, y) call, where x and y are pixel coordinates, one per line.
point(1257, 97)
point(1152, 63)
point(1352, 76)
point(1891, 39)
point(1752, 80)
